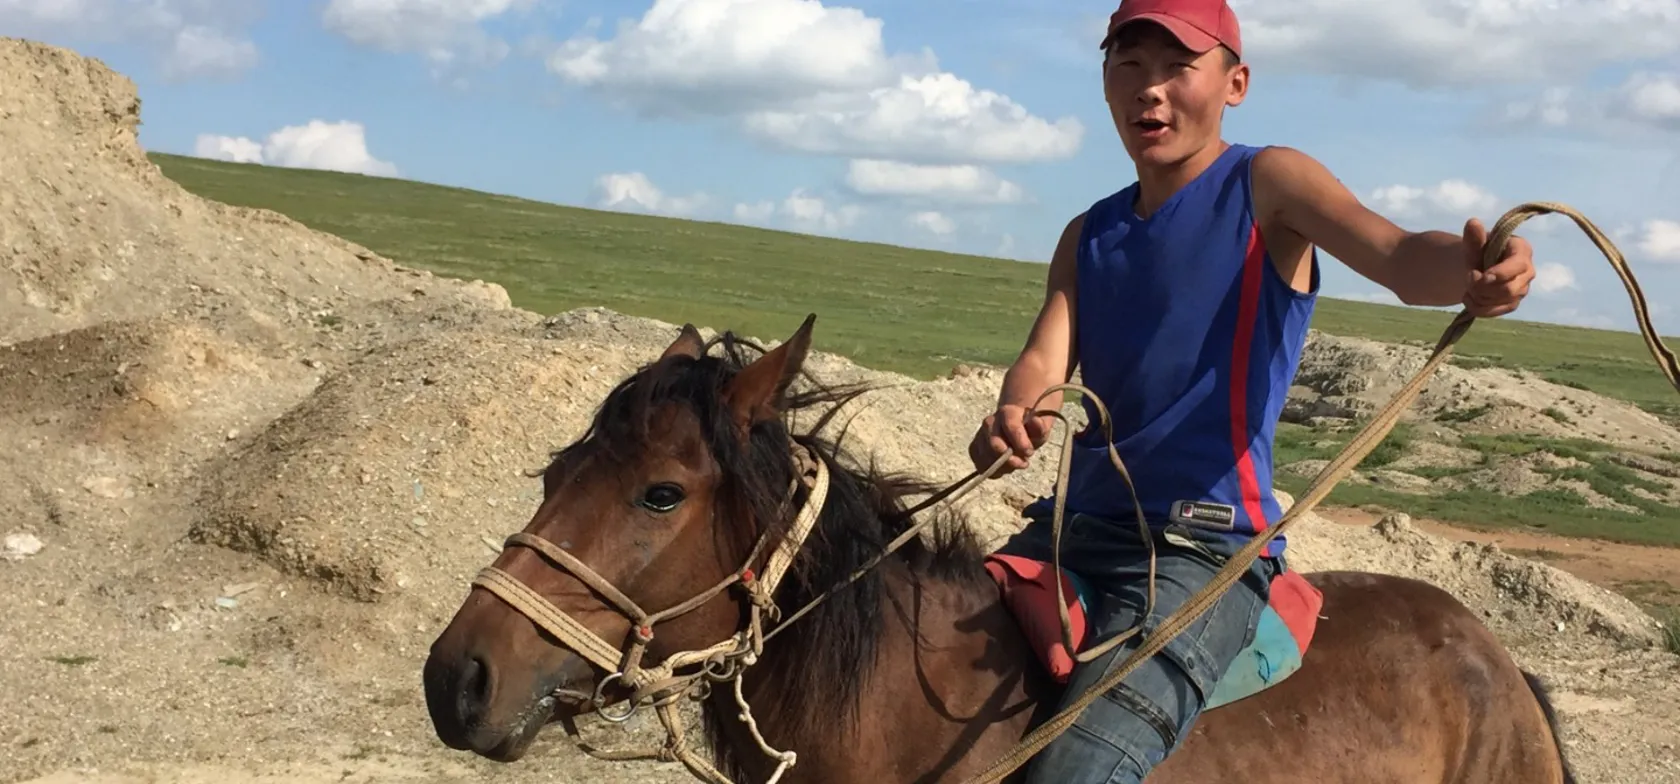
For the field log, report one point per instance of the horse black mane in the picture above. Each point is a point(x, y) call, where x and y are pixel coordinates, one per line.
point(818, 670)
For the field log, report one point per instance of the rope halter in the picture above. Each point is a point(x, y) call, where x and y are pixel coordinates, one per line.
point(662, 683)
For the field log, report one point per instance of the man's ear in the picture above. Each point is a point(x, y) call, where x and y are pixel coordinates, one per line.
point(757, 393)
point(688, 344)
point(1237, 86)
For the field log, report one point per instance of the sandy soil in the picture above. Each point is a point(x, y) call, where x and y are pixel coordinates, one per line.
point(1648, 574)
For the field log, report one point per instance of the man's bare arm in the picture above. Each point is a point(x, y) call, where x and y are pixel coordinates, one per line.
point(1298, 193)
point(1047, 359)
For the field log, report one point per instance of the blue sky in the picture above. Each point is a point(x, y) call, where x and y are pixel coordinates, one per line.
point(970, 125)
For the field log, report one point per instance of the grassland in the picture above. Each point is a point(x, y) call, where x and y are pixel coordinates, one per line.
point(913, 311)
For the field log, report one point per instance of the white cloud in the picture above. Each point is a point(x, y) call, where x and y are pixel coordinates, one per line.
point(962, 183)
point(935, 222)
point(1644, 100)
point(338, 146)
point(733, 55)
point(1580, 318)
point(237, 149)
point(1432, 43)
point(1659, 240)
point(802, 211)
point(1450, 200)
point(1653, 98)
point(757, 212)
point(1006, 247)
point(1551, 277)
point(806, 77)
point(1552, 108)
point(1382, 297)
point(813, 214)
point(633, 191)
point(934, 118)
point(445, 32)
point(192, 39)
point(201, 51)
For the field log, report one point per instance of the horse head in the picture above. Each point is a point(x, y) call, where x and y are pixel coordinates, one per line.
point(671, 501)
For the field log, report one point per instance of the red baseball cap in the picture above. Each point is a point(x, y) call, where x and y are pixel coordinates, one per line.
point(1198, 24)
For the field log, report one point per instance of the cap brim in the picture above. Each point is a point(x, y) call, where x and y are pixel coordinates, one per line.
point(1192, 37)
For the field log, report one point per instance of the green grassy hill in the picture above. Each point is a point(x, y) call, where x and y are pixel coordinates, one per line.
point(912, 311)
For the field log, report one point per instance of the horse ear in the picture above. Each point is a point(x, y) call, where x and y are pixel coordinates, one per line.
point(756, 393)
point(688, 344)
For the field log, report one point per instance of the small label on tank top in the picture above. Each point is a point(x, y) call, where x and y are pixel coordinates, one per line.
point(1205, 514)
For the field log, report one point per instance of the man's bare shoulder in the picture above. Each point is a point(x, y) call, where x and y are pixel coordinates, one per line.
point(1282, 176)
point(1075, 226)
point(1295, 192)
point(1067, 246)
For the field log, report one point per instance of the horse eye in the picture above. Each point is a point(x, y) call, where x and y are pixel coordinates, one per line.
point(662, 498)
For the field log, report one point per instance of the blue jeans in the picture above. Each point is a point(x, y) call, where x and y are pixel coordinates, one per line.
point(1131, 728)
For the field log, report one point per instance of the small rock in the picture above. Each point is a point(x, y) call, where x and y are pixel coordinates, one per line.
point(20, 546)
point(1395, 524)
point(106, 487)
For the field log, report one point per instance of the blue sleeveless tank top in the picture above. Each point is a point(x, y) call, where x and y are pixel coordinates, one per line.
point(1192, 339)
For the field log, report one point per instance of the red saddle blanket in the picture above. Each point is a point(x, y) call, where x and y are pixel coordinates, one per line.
point(1029, 590)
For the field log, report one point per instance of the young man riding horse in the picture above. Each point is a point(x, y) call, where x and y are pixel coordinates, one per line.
point(1184, 299)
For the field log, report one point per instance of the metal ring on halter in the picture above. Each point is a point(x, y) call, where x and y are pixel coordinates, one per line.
point(601, 702)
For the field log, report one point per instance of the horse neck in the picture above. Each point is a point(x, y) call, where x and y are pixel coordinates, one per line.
point(949, 674)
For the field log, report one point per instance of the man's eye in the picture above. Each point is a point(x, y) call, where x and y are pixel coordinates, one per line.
point(662, 498)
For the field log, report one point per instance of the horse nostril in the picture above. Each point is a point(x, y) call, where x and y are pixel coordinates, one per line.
point(474, 693)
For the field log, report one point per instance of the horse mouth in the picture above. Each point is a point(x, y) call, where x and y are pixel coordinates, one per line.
point(522, 733)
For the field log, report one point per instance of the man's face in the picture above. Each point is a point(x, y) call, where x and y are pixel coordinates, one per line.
point(1167, 101)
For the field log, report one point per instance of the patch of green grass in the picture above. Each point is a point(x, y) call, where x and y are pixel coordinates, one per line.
point(1557, 414)
point(234, 661)
point(913, 311)
point(1439, 472)
point(1389, 449)
point(1474, 361)
point(1464, 414)
point(1294, 443)
point(1553, 511)
point(1520, 444)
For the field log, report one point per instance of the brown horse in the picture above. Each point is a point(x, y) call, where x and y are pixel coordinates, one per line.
point(918, 671)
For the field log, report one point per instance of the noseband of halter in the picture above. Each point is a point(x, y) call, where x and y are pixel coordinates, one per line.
point(720, 662)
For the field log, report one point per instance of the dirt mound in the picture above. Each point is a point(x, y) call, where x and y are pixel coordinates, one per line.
point(1351, 378)
point(255, 467)
point(423, 447)
point(96, 233)
point(1521, 599)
